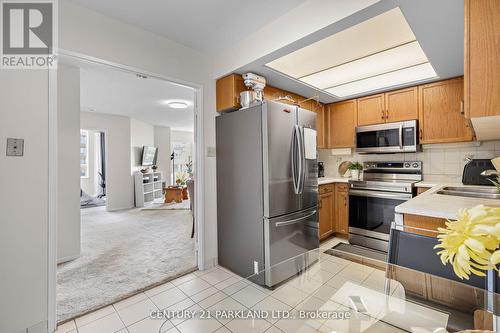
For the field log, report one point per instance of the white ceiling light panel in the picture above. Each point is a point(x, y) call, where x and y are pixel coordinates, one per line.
point(411, 74)
point(400, 57)
point(379, 33)
point(378, 53)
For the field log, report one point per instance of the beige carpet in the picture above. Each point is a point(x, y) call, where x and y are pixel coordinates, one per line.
point(122, 253)
point(160, 205)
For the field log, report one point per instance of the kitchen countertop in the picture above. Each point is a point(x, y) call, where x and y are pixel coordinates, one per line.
point(329, 180)
point(431, 181)
point(432, 204)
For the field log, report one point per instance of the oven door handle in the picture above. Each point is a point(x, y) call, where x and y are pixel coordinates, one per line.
point(401, 136)
point(383, 195)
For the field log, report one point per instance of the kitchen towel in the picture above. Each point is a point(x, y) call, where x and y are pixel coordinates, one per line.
point(310, 143)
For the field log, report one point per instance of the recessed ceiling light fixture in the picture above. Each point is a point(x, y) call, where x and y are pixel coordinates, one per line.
point(177, 104)
point(378, 53)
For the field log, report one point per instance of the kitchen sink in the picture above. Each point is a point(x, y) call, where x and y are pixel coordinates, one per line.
point(471, 192)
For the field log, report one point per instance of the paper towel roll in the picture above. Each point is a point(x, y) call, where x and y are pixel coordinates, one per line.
point(496, 163)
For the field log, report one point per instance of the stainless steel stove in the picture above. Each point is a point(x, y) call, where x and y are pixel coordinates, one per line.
point(372, 200)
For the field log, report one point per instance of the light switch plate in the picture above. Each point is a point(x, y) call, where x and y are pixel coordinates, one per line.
point(211, 151)
point(15, 147)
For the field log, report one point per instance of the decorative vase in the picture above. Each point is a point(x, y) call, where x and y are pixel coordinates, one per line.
point(355, 174)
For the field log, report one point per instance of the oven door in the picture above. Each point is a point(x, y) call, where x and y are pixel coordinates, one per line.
point(372, 212)
point(387, 138)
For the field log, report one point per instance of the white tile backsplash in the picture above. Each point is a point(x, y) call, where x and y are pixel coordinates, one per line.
point(438, 160)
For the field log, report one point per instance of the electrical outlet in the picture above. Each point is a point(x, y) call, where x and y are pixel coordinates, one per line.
point(15, 147)
point(256, 267)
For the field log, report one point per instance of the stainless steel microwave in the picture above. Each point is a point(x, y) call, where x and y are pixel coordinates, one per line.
point(398, 137)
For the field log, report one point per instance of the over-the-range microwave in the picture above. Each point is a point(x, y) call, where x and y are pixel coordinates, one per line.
point(398, 137)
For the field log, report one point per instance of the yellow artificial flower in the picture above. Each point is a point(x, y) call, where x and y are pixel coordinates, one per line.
point(470, 244)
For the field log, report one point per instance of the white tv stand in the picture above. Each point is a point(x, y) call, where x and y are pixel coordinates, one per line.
point(148, 186)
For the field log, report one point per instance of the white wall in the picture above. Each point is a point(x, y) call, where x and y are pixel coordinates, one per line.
point(23, 301)
point(441, 161)
point(90, 33)
point(23, 200)
point(68, 187)
point(119, 184)
point(141, 134)
point(162, 142)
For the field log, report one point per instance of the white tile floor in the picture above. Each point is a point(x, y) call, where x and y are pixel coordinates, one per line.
point(218, 289)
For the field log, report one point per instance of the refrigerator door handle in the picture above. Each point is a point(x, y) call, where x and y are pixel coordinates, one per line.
point(294, 160)
point(293, 221)
point(302, 157)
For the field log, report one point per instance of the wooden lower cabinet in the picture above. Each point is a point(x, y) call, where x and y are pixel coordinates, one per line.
point(423, 225)
point(421, 190)
point(333, 212)
point(341, 209)
point(412, 281)
point(325, 205)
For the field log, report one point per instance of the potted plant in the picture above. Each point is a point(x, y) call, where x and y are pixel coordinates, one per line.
point(181, 178)
point(355, 169)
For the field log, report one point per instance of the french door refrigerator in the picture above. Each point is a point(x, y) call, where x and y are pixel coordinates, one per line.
point(267, 190)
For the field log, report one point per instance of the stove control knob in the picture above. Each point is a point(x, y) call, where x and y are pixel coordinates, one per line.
point(415, 165)
point(407, 165)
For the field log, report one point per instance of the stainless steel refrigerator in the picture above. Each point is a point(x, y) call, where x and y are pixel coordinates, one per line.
point(267, 191)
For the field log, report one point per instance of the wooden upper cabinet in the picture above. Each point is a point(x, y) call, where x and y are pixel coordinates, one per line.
point(321, 125)
point(397, 105)
point(401, 105)
point(371, 110)
point(229, 87)
point(440, 112)
point(341, 123)
point(482, 60)
point(228, 92)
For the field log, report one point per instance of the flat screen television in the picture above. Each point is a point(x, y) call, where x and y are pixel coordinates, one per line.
point(148, 155)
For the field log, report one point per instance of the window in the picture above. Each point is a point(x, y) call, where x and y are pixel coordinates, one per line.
point(182, 159)
point(84, 154)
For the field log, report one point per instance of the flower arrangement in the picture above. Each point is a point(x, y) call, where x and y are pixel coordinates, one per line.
point(181, 178)
point(496, 182)
point(471, 243)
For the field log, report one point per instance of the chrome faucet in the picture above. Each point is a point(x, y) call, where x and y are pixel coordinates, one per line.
point(489, 173)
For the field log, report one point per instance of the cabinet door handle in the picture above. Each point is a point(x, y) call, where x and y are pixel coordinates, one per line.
point(383, 115)
point(462, 110)
point(386, 114)
point(420, 134)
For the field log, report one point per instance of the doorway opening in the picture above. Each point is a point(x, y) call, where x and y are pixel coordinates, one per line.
point(128, 236)
point(92, 168)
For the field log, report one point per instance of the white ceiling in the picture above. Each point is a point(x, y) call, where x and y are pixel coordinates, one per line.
point(206, 25)
point(111, 91)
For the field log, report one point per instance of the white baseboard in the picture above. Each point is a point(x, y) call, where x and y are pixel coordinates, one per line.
point(66, 259)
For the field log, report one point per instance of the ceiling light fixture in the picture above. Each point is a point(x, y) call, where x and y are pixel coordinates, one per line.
point(386, 80)
point(177, 104)
point(375, 54)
